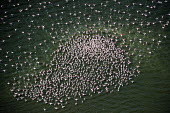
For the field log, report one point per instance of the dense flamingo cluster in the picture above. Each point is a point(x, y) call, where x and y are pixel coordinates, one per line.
point(80, 67)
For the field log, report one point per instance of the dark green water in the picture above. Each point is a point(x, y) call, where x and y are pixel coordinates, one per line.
point(150, 93)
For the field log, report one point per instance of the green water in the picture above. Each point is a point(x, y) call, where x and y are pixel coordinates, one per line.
point(150, 93)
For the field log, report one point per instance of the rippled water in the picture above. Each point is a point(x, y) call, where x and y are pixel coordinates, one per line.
point(32, 29)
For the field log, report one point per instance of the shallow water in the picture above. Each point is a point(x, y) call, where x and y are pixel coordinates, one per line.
point(148, 94)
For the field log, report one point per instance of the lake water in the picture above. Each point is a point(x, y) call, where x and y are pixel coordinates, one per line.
point(150, 92)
